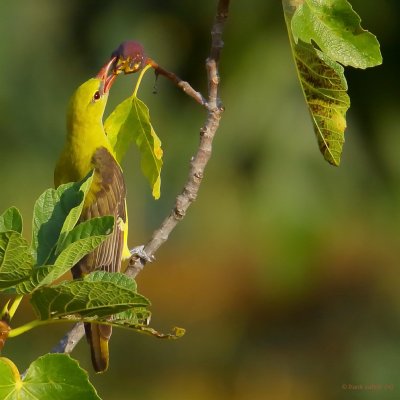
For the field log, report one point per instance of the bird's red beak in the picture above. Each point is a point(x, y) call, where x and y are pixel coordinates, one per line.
point(105, 78)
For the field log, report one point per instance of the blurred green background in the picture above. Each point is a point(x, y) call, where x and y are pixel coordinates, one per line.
point(285, 272)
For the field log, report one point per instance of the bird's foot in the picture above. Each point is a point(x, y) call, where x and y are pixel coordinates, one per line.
point(139, 252)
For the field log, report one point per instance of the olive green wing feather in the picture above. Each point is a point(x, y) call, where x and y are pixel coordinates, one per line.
point(106, 197)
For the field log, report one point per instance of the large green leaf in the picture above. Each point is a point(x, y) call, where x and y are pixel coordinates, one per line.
point(52, 376)
point(50, 211)
point(11, 220)
point(335, 28)
point(55, 214)
point(94, 299)
point(74, 214)
point(16, 261)
point(90, 297)
point(81, 240)
point(102, 297)
point(130, 122)
point(322, 34)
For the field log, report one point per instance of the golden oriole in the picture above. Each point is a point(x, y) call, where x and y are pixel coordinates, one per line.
point(87, 148)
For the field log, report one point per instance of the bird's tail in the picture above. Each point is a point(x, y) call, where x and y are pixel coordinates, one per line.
point(98, 336)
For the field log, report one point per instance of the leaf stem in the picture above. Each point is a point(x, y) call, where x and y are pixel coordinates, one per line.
point(15, 305)
point(142, 72)
point(26, 327)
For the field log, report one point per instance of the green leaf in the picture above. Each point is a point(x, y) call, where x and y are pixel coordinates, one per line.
point(325, 89)
point(50, 211)
point(81, 240)
point(74, 214)
point(77, 250)
point(130, 122)
point(117, 278)
point(90, 297)
point(52, 376)
point(11, 220)
point(102, 297)
point(55, 213)
point(117, 127)
point(94, 299)
point(99, 226)
point(335, 28)
point(16, 261)
point(35, 279)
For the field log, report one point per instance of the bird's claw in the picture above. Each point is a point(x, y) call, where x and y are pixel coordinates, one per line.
point(139, 252)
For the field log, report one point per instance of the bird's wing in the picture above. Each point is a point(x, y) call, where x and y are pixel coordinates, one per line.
point(106, 197)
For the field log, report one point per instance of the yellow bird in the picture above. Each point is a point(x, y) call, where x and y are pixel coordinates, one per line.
point(87, 148)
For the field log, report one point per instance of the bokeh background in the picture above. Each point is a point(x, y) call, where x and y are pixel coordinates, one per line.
point(285, 272)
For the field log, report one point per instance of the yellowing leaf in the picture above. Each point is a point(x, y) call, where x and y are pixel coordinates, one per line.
point(325, 90)
point(130, 122)
point(322, 34)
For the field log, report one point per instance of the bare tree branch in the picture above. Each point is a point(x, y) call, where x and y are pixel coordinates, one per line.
point(197, 163)
point(70, 339)
point(217, 29)
point(200, 160)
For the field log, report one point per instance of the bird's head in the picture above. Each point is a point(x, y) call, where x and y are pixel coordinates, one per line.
point(91, 97)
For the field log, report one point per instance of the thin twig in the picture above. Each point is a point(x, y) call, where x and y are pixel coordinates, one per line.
point(197, 163)
point(185, 86)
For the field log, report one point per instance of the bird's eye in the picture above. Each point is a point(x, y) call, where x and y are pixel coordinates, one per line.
point(96, 96)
